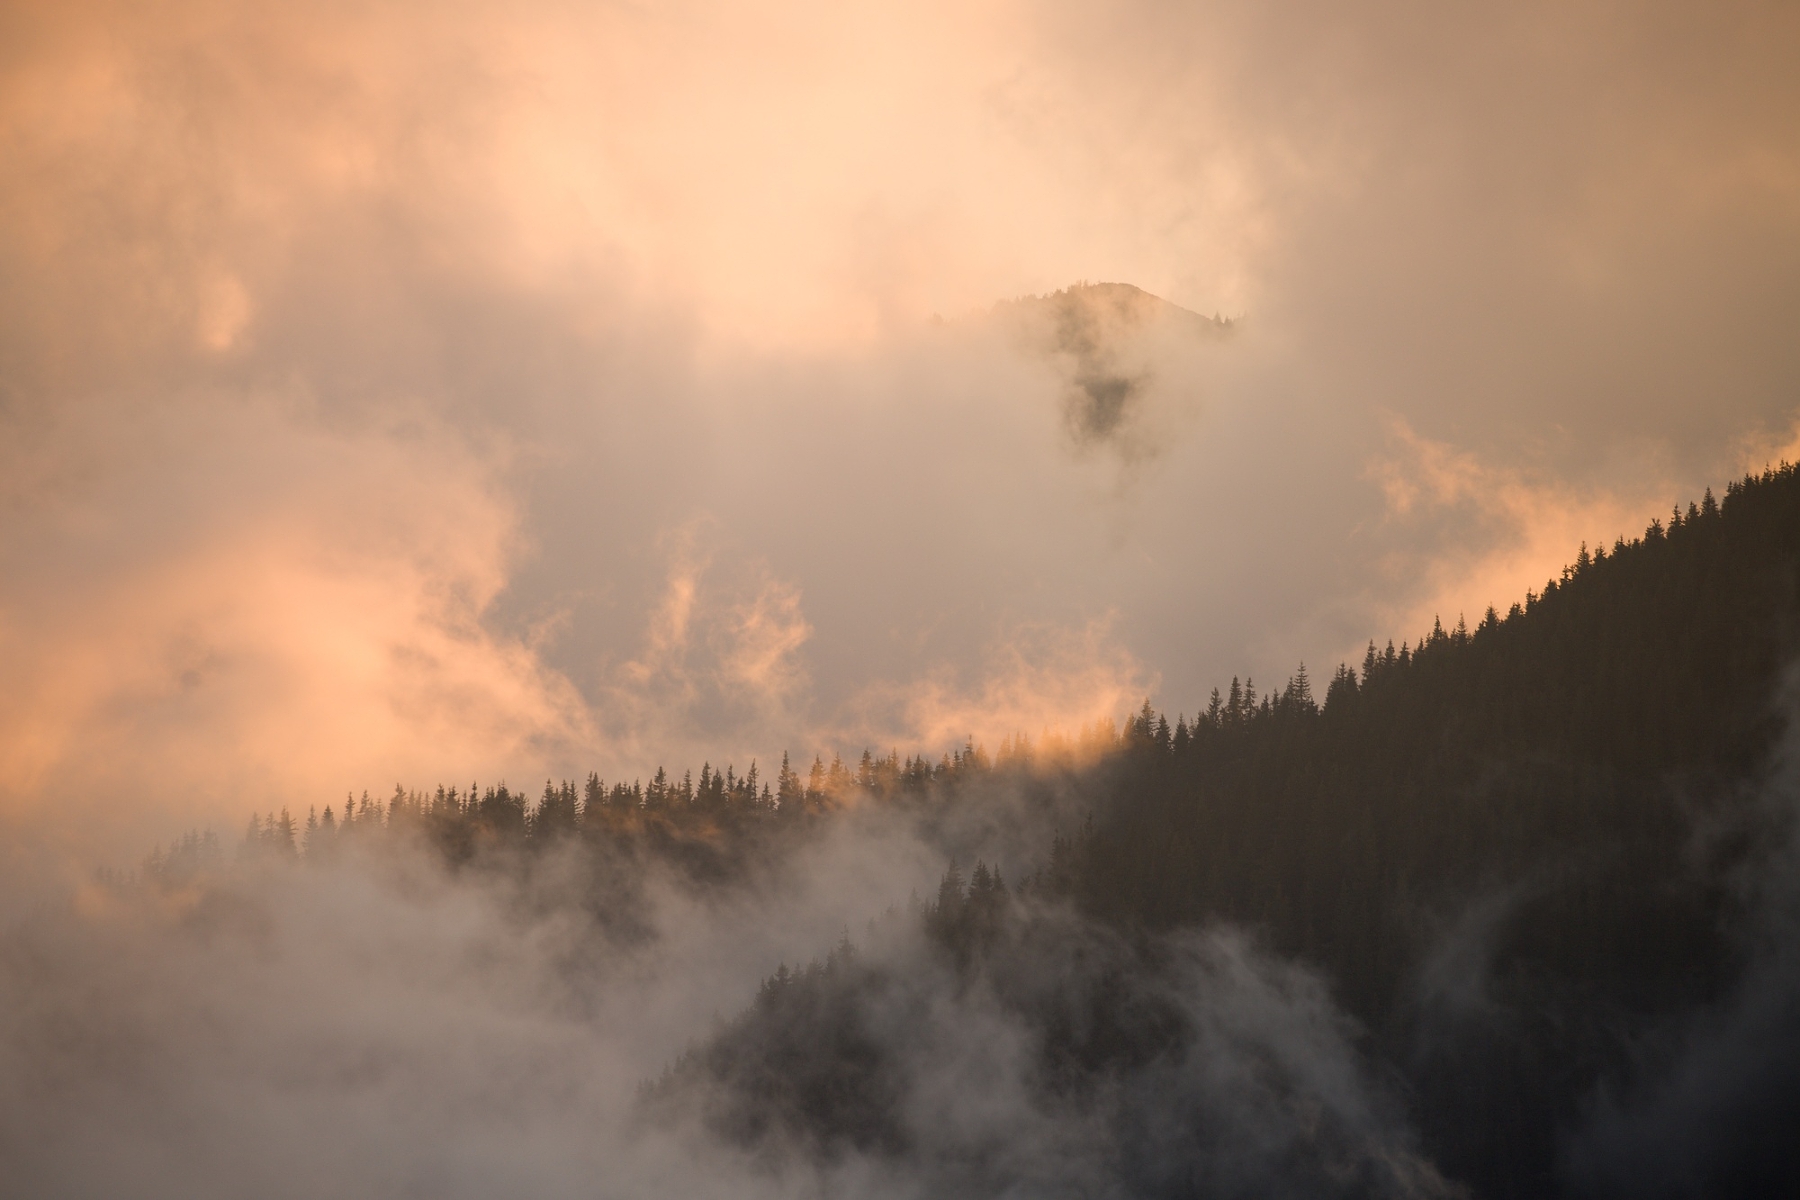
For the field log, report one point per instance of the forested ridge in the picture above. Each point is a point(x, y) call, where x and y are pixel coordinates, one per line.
point(1521, 856)
point(1574, 740)
point(1579, 781)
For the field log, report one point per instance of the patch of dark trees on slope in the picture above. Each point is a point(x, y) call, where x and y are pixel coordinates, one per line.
point(1528, 857)
point(1531, 858)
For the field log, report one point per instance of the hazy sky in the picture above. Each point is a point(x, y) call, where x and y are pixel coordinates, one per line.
point(434, 392)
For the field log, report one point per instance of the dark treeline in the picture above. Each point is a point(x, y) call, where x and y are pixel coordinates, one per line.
point(1524, 855)
point(1582, 770)
point(717, 830)
point(465, 823)
point(1526, 858)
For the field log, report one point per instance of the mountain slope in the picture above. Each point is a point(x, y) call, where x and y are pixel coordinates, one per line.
point(1537, 862)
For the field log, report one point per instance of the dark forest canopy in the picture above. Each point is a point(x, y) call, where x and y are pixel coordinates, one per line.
point(1658, 658)
point(1527, 858)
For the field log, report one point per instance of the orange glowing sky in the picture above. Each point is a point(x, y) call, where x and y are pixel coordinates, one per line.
point(467, 390)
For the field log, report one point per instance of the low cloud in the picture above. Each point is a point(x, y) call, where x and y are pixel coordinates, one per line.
point(720, 671)
point(1709, 1112)
point(1041, 680)
point(481, 1031)
point(257, 617)
point(1464, 532)
point(1108, 342)
point(594, 273)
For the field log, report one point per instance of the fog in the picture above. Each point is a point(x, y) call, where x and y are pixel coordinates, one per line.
point(1714, 1093)
point(412, 393)
point(409, 393)
point(375, 1027)
point(366, 1021)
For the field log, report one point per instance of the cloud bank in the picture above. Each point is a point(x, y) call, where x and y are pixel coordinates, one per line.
point(500, 390)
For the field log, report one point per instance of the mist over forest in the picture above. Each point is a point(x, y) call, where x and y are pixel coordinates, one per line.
point(1505, 911)
point(793, 600)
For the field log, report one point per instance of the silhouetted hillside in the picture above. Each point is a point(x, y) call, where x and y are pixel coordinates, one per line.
point(1512, 909)
point(1537, 861)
